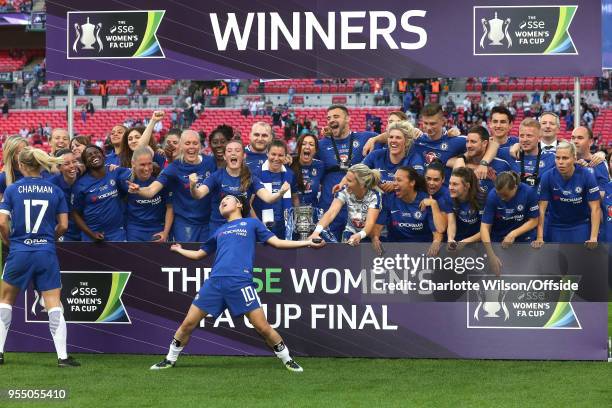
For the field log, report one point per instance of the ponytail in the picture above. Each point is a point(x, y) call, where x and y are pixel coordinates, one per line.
point(37, 159)
point(245, 178)
point(365, 176)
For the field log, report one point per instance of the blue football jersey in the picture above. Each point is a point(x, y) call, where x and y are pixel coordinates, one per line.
point(405, 221)
point(506, 216)
point(33, 205)
point(220, 184)
point(99, 200)
point(175, 178)
point(234, 243)
point(568, 200)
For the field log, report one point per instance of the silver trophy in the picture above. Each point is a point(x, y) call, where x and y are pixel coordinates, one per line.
point(300, 220)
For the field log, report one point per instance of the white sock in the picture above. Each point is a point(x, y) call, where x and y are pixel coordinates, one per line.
point(6, 312)
point(57, 325)
point(175, 350)
point(282, 352)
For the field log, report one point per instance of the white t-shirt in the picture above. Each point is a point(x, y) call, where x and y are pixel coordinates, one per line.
point(565, 104)
point(358, 209)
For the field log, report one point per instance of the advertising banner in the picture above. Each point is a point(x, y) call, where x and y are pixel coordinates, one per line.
point(338, 301)
point(157, 39)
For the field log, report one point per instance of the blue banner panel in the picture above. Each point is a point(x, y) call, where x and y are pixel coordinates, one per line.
point(337, 301)
point(138, 39)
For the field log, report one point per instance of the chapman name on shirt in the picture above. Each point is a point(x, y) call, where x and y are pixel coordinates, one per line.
point(35, 188)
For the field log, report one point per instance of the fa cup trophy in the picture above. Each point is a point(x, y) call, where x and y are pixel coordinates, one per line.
point(300, 220)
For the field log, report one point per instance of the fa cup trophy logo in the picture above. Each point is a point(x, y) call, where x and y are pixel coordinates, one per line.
point(491, 302)
point(88, 39)
point(496, 32)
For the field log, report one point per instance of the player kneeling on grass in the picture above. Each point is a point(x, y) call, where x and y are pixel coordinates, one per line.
point(231, 281)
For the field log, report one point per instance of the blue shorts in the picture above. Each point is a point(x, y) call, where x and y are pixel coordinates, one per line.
point(41, 267)
point(225, 292)
point(137, 233)
point(576, 234)
point(117, 235)
point(183, 231)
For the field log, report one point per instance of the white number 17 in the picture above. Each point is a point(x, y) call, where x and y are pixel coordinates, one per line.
point(34, 203)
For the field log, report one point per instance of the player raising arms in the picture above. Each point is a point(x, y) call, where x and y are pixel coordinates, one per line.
point(230, 285)
point(38, 214)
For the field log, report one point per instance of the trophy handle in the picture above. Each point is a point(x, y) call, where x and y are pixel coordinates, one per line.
point(484, 27)
point(507, 35)
point(289, 224)
point(78, 34)
point(100, 41)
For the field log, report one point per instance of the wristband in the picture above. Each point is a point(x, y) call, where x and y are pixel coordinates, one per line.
point(318, 228)
point(362, 234)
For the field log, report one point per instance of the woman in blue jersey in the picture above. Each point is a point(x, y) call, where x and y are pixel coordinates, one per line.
point(65, 179)
point(78, 145)
point(228, 286)
point(380, 140)
point(434, 182)
point(97, 207)
point(136, 137)
point(399, 153)
point(308, 172)
point(10, 152)
point(148, 219)
point(38, 214)
point(410, 214)
point(234, 179)
point(60, 139)
point(571, 195)
point(511, 212)
point(363, 201)
point(217, 140)
point(464, 222)
point(114, 151)
point(272, 175)
point(191, 217)
point(171, 146)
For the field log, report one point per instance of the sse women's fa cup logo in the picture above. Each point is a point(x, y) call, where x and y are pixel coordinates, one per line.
point(495, 31)
point(89, 34)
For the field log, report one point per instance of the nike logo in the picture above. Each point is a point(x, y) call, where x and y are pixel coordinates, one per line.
point(394, 211)
point(250, 303)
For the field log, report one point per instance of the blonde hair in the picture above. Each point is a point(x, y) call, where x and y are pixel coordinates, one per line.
point(8, 156)
point(530, 122)
point(365, 176)
point(564, 144)
point(184, 135)
point(37, 159)
point(142, 151)
point(52, 139)
point(409, 131)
